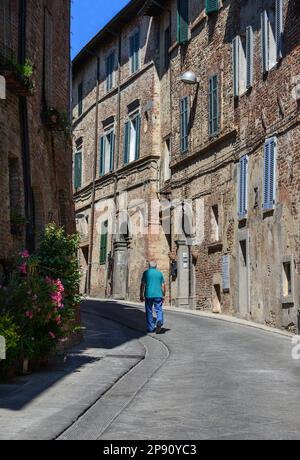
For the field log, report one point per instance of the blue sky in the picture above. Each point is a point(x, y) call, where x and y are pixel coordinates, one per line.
point(88, 17)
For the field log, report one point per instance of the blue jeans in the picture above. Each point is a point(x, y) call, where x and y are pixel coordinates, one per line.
point(158, 304)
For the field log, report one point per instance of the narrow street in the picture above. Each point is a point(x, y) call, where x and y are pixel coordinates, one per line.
point(201, 379)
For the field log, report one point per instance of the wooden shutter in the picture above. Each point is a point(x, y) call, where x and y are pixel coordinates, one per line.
point(236, 64)
point(270, 174)
point(213, 105)
point(138, 136)
point(279, 28)
point(126, 142)
point(211, 6)
point(243, 187)
point(265, 41)
point(102, 155)
point(77, 170)
point(184, 123)
point(182, 21)
point(112, 150)
point(103, 242)
point(249, 56)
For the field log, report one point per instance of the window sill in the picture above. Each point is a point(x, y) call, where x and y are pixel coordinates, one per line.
point(288, 300)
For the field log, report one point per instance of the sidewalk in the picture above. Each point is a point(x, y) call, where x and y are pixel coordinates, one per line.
point(45, 404)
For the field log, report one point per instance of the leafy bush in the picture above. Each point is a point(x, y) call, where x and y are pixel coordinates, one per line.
point(40, 299)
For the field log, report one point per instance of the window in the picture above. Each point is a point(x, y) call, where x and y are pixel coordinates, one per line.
point(77, 170)
point(48, 58)
point(287, 279)
point(184, 124)
point(80, 99)
point(165, 172)
point(182, 21)
point(272, 34)
point(110, 64)
point(242, 55)
point(270, 174)
point(135, 52)
point(213, 105)
point(103, 242)
point(167, 47)
point(243, 187)
point(215, 224)
point(211, 6)
point(132, 138)
point(107, 147)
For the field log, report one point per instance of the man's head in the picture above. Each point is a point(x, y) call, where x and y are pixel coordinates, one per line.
point(152, 264)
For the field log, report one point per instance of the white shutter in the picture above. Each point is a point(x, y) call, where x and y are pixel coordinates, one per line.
point(236, 64)
point(279, 27)
point(249, 56)
point(265, 41)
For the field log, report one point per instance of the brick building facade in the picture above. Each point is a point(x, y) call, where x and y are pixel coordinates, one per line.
point(227, 151)
point(36, 166)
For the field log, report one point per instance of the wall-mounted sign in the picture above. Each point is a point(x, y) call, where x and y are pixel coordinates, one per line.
point(226, 272)
point(185, 260)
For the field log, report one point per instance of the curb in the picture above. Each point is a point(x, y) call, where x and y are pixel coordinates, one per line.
point(208, 315)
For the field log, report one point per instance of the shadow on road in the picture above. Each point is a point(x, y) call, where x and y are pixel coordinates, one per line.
point(99, 334)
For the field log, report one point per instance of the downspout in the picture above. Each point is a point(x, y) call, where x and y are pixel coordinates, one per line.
point(28, 202)
point(117, 163)
point(92, 222)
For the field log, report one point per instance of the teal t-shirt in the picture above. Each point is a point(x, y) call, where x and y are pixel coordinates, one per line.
point(153, 280)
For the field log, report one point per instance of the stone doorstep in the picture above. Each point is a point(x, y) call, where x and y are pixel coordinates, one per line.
point(204, 314)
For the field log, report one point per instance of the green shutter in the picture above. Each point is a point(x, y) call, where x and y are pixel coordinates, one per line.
point(211, 6)
point(103, 242)
point(77, 170)
point(102, 156)
point(182, 21)
point(112, 150)
point(138, 136)
point(213, 105)
point(137, 51)
point(126, 142)
point(184, 124)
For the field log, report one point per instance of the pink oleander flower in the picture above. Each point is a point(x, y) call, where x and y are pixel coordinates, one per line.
point(58, 319)
point(29, 314)
point(52, 335)
point(60, 286)
point(25, 254)
point(23, 268)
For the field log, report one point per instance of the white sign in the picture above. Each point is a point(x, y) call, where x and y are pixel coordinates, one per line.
point(2, 348)
point(2, 87)
point(185, 260)
point(226, 272)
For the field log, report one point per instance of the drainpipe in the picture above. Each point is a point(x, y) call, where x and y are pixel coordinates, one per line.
point(92, 221)
point(117, 163)
point(28, 202)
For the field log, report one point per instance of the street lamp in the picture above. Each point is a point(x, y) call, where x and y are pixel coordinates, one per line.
point(189, 78)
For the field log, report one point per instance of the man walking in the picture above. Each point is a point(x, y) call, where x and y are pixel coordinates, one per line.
point(153, 291)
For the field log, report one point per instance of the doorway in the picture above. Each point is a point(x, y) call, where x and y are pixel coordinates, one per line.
point(243, 277)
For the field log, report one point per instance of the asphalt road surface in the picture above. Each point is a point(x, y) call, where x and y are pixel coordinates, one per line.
point(200, 379)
